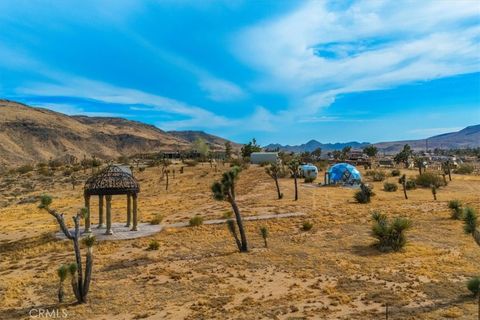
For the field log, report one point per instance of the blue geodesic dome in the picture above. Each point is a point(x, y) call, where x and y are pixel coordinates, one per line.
point(344, 173)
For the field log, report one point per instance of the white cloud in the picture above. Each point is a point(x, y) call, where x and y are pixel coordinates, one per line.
point(314, 53)
point(74, 110)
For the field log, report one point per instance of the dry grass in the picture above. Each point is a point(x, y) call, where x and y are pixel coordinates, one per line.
point(330, 272)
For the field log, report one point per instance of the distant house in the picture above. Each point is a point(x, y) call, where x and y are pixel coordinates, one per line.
point(263, 157)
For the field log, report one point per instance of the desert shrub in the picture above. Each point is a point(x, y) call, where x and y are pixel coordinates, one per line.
point(264, 234)
point(123, 160)
point(157, 219)
point(470, 220)
point(141, 169)
point(153, 245)
point(474, 285)
point(390, 187)
point(465, 169)
point(390, 235)
point(427, 179)
point(196, 221)
point(395, 173)
point(410, 185)
point(24, 169)
point(364, 194)
point(376, 175)
point(67, 172)
point(227, 214)
point(191, 163)
point(45, 171)
point(264, 164)
point(307, 226)
point(76, 168)
point(456, 207)
point(309, 179)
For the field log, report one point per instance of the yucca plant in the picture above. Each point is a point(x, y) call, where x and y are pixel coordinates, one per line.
point(80, 283)
point(264, 234)
point(364, 194)
point(434, 191)
point(293, 167)
point(273, 171)
point(474, 286)
point(390, 235)
point(470, 223)
point(456, 207)
point(62, 273)
point(403, 182)
point(224, 190)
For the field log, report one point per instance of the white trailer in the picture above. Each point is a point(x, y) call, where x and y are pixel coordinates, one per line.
point(263, 157)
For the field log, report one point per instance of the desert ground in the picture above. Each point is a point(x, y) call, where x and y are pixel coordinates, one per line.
point(332, 271)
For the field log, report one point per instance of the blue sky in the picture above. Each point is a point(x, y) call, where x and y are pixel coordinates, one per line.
point(280, 71)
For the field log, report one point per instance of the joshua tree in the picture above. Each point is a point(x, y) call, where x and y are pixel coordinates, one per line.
point(224, 190)
point(293, 167)
point(404, 155)
point(264, 233)
point(165, 172)
point(62, 275)
point(73, 181)
point(403, 182)
point(370, 151)
point(420, 165)
point(80, 285)
point(228, 150)
point(434, 191)
point(446, 166)
point(273, 171)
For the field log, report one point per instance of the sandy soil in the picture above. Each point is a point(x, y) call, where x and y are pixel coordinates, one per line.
point(330, 272)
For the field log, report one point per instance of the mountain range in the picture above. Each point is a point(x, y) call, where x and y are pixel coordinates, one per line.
point(468, 137)
point(29, 134)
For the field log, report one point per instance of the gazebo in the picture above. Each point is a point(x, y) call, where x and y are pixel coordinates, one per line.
point(113, 180)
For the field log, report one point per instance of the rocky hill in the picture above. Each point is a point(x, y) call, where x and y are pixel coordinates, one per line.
point(30, 134)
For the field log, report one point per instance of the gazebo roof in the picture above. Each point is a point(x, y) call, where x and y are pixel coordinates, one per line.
point(112, 180)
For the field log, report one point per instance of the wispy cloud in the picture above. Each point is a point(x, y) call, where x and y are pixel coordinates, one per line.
point(73, 110)
point(316, 53)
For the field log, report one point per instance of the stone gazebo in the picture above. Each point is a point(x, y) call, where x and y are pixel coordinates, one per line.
point(113, 180)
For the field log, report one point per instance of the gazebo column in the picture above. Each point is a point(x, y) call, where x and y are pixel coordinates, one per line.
point(87, 218)
point(135, 221)
point(129, 210)
point(109, 214)
point(100, 212)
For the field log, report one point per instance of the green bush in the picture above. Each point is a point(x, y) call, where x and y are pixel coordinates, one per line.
point(376, 175)
point(153, 245)
point(196, 221)
point(307, 226)
point(390, 187)
point(395, 173)
point(456, 207)
point(390, 235)
point(474, 285)
point(24, 169)
point(465, 169)
point(427, 179)
point(157, 219)
point(410, 185)
point(364, 194)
